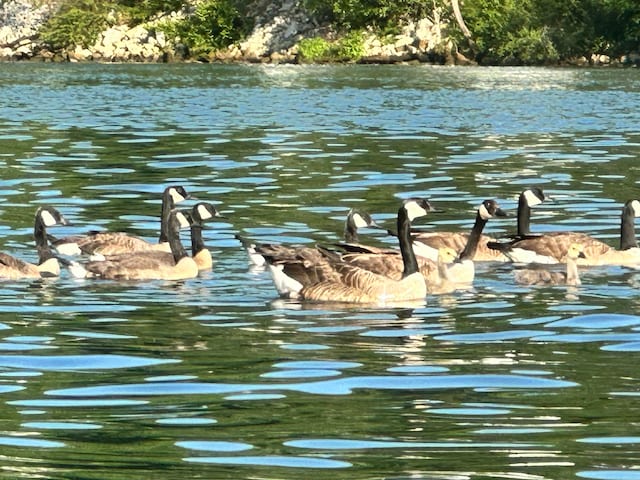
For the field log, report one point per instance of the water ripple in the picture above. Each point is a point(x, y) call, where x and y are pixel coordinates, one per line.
point(597, 320)
point(339, 444)
point(273, 461)
point(78, 362)
point(343, 386)
point(23, 442)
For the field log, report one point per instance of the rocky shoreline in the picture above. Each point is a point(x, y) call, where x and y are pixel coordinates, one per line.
point(278, 28)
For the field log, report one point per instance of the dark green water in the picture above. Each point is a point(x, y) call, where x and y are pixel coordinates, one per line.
point(215, 378)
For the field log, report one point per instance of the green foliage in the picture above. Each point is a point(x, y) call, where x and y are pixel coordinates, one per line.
point(78, 22)
point(215, 24)
point(527, 47)
point(140, 11)
point(348, 49)
point(539, 31)
point(314, 50)
point(359, 14)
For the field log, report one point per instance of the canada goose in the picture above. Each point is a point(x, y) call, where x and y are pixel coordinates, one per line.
point(146, 265)
point(334, 280)
point(427, 243)
point(201, 211)
point(551, 248)
point(112, 243)
point(13, 268)
point(461, 272)
point(355, 219)
point(542, 276)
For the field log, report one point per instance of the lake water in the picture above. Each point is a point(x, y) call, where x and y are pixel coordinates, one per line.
point(214, 377)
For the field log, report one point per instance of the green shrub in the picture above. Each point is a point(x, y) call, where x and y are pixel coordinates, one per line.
point(350, 47)
point(380, 14)
point(139, 11)
point(77, 22)
point(215, 24)
point(527, 47)
point(313, 50)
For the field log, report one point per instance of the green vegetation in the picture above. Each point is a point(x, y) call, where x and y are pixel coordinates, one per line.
point(349, 48)
point(500, 31)
point(540, 31)
point(379, 14)
point(78, 22)
point(506, 31)
point(214, 23)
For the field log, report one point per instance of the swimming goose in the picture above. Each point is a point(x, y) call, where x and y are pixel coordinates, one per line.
point(442, 282)
point(112, 243)
point(542, 276)
point(147, 265)
point(334, 280)
point(551, 248)
point(201, 211)
point(13, 268)
point(355, 219)
point(461, 272)
point(427, 244)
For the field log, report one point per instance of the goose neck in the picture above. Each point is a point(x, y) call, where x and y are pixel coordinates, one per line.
point(197, 242)
point(409, 260)
point(40, 233)
point(524, 217)
point(573, 277)
point(40, 237)
point(167, 206)
point(177, 249)
point(474, 238)
point(627, 229)
point(350, 232)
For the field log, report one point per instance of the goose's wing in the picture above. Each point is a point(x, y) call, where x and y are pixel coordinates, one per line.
point(129, 265)
point(11, 266)
point(556, 244)
point(104, 243)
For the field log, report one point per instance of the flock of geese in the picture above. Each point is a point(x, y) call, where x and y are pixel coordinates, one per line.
point(425, 262)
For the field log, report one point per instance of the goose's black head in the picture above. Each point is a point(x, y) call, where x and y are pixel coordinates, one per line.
point(360, 219)
point(489, 209)
point(533, 196)
point(49, 216)
point(203, 211)
point(176, 193)
point(417, 207)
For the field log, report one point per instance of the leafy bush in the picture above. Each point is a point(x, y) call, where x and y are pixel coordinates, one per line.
point(380, 14)
point(313, 50)
point(77, 22)
point(527, 47)
point(140, 11)
point(215, 24)
point(350, 47)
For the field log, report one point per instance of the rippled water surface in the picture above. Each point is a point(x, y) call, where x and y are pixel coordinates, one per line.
point(214, 377)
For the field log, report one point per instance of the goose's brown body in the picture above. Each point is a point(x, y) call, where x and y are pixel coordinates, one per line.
point(326, 277)
point(12, 268)
point(115, 243)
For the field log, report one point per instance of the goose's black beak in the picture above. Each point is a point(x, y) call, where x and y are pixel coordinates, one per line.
point(500, 213)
